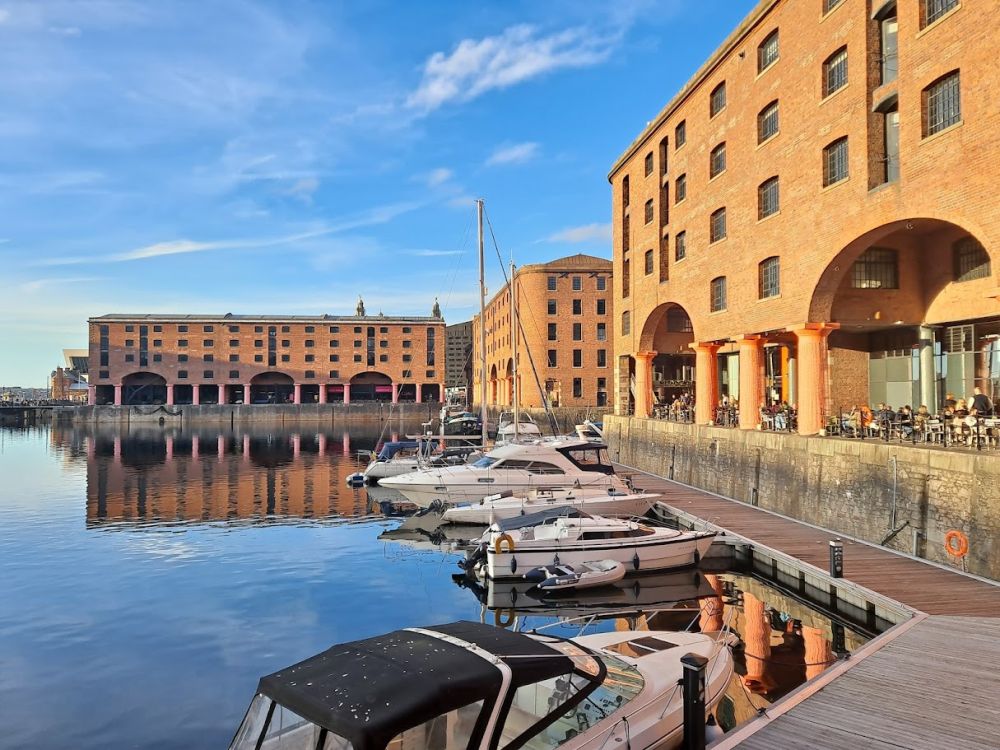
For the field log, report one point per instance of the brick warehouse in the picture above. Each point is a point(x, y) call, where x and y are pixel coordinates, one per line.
point(566, 313)
point(247, 359)
point(814, 216)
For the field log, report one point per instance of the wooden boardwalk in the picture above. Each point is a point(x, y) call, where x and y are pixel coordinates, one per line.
point(931, 682)
point(915, 583)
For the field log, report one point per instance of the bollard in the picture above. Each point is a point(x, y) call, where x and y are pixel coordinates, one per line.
point(837, 558)
point(693, 685)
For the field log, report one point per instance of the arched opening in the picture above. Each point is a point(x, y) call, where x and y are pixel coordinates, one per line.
point(272, 388)
point(144, 388)
point(669, 334)
point(371, 386)
point(493, 385)
point(919, 317)
point(509, 383)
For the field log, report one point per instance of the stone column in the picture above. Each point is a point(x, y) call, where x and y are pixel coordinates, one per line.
point(395, 393)
point(91, 395)
point(223, 400)
point(297, 394)
point(118, 395)
point(246, 393)
point(170, 448)
point(711, 619)
point(928, 384)
point(751, 381)
point(220, 447)
point(793, 383)
point(644, 383)
point(322, 392)
point(246, 447)
point(818, 652)
point(813, 374)
point(706, 376)
point(345, 444)
point(757, 644)
point(117, 447)
point(321, 441)
point(347, 393)
point(419, 392)
point(296, 446)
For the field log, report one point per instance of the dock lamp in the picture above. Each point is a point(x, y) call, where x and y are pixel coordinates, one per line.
point(836, 558)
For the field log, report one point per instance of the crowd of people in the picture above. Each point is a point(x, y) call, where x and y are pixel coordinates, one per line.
point(959, 420)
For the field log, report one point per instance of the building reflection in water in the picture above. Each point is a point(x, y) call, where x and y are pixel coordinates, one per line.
point(161, 476)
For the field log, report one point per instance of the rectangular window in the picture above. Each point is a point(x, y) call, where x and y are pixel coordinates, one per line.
point(767, 198)
point(129, 329)
point(578, 307)
point(680, 134)
point(232, 342)
point(182, 358)
point(602, 283)
point(835, 162)
point(602, 332)
point(934, 9)
point(649, 164)
point(334, 357)
point(648, 215)
point(718, 301)
point(553, 358)
point(182, 329)
point(286, 329)
point(767, 122)
point(310, 358)
point(334, 329)
point(258, 358)
point(626, 323)
point(602, 307)
point(234, 374)
point(626, 276)
point(286, 358)
point(577, 387)
point(717, 161)
point(680, 246)
point(942, 104)
point(890, 48)
point(208, 374)
point(877, 268)
point(770, 278)
point(578, 358)
point(891, 145)
point(767, 52)
point(208, 329)
point(551, 307)
point(835, 72)
point(208, 358)
point(234, 357)
point(182, 374)
point(717, 100)
point(602, 357)
point(407, 344)
point(407, 329)
point(680, 188)
point(551, 283)
point(430, 346)
point(310, 329)
point(648, 262)
point(130, 358)
point(286, 342)
point(334, 374)
point(234, 329)
point(578, 331)
point(577, 283)
point(258, 329)
point(552, 332)
point(357, 357)
point(407, 357)
point(717, 225)
point(208, 342)
point(310, 343)
point(310, 374)
point(129, 342)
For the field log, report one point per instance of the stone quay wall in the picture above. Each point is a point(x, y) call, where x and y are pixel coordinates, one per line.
point(409, 413)
point(848, 486)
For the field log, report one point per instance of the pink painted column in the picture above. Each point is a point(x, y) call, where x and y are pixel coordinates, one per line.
point(118, 395)
point(395, 393)
point(117, 447)
point(91, 448)
point(195, 395)
point(813, 373)
point(644, 383)
point(322, 393)
point(347, 393)
point(195, 446)
point(419, 393)
point(170, 395)
point(91, 395)
point(220, 447)
point(705, 382)
point(297, 397)
point(751, 381)
point(818, 652)
point(246, 393)
point(345, 444)
point(223, 399)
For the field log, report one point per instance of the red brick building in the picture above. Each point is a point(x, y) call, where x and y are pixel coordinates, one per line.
point(814, 216)
point(251, 359)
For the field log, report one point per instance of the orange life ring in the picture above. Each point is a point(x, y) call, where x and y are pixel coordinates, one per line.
point(956, 543)
point(504, 622)
point(500, 540)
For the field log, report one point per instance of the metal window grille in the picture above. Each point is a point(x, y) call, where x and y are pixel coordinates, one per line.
point(577, 284)
point(626, 323)
point(877, 268)
point(943, 106)
point(719, 294)
point(767, 122)
point(578, 331)
point(767, 52)
point(678, 321)
point(625, 191)
point(767, 198)
point(649, 164)
point(602, 332)
point(829, 5)
point(958, 339)
point(718, 225)
point(971, 260)
point(835, 162)
point(770, 278)
point(602, 307)
point(680, 246)
point(649, 211)
point(680, 189)
point(648, 259)
point(717, 101)
point(602, 283)
point(934, 9)
point(626, 277)
point(835, 72)
point(552, 357)
point(680, 134)
point(717, 165)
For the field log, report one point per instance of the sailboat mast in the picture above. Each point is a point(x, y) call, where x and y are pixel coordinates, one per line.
point(513, 328)
point(482, 323)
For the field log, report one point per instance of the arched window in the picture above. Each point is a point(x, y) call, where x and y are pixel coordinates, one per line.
point(769, 273)
point(718, 301)
point(717, 225)
point(767, 198)
point(835, 71)
point(942, 104)
point(717, 162)
point(717, 100)
point(971, 260)
point(767, 52)
point(767, 122)
point(835, 165)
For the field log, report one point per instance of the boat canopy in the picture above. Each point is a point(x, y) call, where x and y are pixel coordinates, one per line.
point(588, 456)
point(391, 448)
point(542, 516)
point(371, 690)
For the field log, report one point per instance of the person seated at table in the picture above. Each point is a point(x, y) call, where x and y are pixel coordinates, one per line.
point(949, 401)
point(961, 409)
point(921, 417)
point(982, 405)
point(904, 419)
point(781, 414)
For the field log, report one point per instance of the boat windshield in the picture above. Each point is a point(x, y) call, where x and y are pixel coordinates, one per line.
point(538, 701)
point(282, 729)
point(450, 731)
point(485, 462)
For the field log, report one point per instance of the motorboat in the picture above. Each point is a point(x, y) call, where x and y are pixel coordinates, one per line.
point(405, 456)
point(513, 428)
point(567, 536)
point(586, 575)
point(468, 685)
point(568, 462)
point(593, 431)
point(465, 423)
point(617, 500)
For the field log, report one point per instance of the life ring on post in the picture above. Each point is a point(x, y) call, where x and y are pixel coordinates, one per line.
point(499, 543)
point(501, 621)
point(956, 543)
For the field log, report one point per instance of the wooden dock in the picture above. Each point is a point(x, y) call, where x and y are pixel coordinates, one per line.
point(931, 682)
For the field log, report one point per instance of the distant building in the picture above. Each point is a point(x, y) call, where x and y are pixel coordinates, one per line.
point(565, 308)
point(257, 359)
point(458, 355)
point(68, 385)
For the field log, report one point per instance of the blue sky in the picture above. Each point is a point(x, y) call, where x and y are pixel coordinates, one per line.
point(285, 156)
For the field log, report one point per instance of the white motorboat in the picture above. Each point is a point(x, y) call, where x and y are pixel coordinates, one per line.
point(615, 501)
point(567, 462)
point(586, 575)
point(404, 457)
point(593, 431)
point(564, 536)
point(517, 429)
point(465, 686)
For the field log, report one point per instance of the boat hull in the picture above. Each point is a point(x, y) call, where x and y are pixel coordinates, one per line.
point(454, 493)
point(488, 511)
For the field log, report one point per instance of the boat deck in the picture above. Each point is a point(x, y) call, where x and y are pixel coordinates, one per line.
point(930, 682)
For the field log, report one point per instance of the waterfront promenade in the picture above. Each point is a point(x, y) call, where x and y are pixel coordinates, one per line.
point(929, 682)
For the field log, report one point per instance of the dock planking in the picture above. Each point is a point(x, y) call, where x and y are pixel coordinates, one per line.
point(918, 584)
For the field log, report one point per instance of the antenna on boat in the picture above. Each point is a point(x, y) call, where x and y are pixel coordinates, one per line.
point(482, 323)
point(515, 321)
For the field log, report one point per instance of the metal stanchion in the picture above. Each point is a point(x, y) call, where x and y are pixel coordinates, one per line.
point(836, 558)
point(693, 685)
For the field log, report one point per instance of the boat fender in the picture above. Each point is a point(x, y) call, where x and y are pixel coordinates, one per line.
point(498, 544)
point(635, 561)
point(356, 480)
point(503, 622)
point(555, 560)
point(956, 543)
point(697, 557)
point(636, 588)
point(513, 565)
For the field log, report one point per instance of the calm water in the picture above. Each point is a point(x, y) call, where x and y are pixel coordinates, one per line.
point(148, 579)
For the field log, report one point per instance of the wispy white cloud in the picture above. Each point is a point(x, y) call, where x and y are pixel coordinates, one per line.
point(519, 53)
point(36, 285)
point(303, 189)
point(4, 15)
point(585, 233)
point(517, 153)
point(438, 176)
point(433, 253)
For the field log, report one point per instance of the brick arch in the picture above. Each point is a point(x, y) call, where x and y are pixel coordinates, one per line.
point(656, 321)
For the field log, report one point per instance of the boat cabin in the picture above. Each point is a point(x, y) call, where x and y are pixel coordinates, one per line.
point(460, 686)
point(549, 458)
